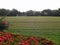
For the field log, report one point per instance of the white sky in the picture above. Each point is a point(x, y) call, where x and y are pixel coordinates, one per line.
point(24, 5)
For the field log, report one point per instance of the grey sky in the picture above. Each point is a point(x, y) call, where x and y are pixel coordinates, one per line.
point(24, 5)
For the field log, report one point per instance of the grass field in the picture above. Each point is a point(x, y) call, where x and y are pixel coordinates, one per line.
point(48, 27)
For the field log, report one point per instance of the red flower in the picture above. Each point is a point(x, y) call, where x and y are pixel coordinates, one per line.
point(7, 44)
point(8, 39)
point(4, 22)
point(1, 39)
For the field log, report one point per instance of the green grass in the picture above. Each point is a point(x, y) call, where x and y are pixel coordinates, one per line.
point(48, 27)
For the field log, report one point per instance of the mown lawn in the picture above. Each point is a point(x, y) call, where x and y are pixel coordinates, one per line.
point(48, 27)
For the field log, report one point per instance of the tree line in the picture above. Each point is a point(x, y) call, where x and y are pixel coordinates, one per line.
point(15, 12)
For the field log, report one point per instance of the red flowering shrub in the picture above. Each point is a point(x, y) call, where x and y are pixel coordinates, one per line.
point(3, 24)
point(12, 39)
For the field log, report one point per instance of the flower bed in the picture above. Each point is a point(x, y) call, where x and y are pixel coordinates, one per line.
point(17, 39)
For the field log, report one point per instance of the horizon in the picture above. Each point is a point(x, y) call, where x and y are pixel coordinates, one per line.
point(26, 5)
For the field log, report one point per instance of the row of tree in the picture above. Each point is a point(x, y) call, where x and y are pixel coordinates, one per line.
point(14, 12)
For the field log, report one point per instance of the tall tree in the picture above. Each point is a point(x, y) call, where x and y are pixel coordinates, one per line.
point(13, 12)
point(3, 12)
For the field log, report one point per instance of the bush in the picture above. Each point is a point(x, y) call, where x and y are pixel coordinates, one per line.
point(3, 24)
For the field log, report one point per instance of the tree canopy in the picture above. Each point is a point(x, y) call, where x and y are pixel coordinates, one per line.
point(15, 12)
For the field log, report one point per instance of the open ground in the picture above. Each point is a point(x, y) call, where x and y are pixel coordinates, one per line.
point(43, 26)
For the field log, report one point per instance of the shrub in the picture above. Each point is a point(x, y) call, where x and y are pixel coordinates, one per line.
point(3, 24)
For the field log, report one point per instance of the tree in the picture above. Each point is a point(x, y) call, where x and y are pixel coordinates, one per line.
point(58, 12)
point(30, 13)
point(13, 12)
point(3, 12)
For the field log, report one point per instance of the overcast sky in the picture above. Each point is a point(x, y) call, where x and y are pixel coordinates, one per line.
point(24, 5)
